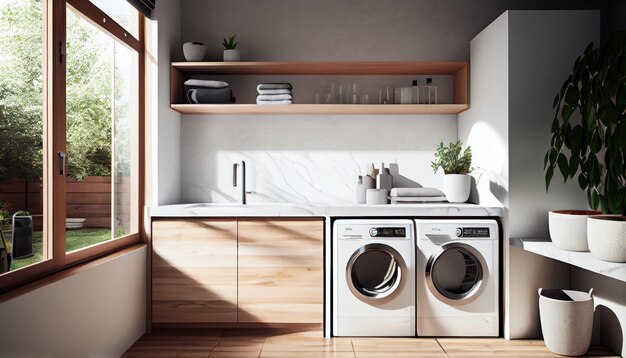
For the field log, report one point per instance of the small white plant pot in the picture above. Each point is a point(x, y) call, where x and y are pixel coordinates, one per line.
point(566, 320)
point(456, 187)
point(568, 229)
point(606, 236)
point(194, 51)
point(232, 56)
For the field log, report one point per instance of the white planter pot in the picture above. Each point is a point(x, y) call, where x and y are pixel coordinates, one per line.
point(568, 229)
point(566, 320)
point(231, 56)
point(456, 187)
point(606, 236)
point(194, 51)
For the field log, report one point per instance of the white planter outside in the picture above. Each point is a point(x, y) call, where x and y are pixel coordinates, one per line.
point(566, 320)
point(568, 229)
point(456, 187)
point(232, 56)
point(606, 236)
point(194, 51)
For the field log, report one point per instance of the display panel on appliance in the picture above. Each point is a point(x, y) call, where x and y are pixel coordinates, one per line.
point(388, 232)
point(472, 232)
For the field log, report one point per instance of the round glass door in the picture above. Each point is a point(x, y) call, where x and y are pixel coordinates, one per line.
point(376, 272)
point(455, 273)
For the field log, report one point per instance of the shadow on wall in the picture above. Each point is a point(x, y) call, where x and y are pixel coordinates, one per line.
point(609, 327)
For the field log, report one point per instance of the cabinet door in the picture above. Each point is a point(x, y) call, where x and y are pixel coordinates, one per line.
point(194, 270)
point(281, 269)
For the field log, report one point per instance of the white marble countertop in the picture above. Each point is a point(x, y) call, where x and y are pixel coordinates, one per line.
point(300, 210)
point(585, 260)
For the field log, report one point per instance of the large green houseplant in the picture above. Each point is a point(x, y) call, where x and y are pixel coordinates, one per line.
point(589, 133)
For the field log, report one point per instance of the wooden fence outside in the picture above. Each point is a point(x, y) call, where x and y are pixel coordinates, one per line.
point(89, 199)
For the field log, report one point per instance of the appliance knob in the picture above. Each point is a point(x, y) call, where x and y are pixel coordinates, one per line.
point(459, 232)
point(373, 232)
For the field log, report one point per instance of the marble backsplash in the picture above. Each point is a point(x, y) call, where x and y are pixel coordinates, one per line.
point(306, 159)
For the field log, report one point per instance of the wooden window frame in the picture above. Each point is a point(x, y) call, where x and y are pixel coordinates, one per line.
point(54, 141)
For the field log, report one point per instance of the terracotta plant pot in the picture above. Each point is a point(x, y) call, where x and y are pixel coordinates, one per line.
point(606, 235)
point(568, 228)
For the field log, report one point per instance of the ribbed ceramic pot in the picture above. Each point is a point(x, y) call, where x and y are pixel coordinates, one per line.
point(606, 236)
point(568, 228)
point(456, 187)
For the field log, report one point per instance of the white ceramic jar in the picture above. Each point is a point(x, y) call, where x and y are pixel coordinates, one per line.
point(194, 51)
point(568, 228)
point(606, 236)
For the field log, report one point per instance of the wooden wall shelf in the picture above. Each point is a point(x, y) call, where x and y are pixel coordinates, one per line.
point(320, 108)
point(181, 71)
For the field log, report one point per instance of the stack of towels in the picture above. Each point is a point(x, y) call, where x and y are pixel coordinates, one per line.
point(274, 93)
point(416, 195)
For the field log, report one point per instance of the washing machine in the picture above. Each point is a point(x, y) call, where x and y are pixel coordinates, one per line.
point(457, 278)
point(373, 278)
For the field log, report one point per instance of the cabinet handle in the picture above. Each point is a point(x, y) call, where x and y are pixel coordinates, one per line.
point(235, 165)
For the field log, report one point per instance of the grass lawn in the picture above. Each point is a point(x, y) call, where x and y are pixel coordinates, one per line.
point(75, 239)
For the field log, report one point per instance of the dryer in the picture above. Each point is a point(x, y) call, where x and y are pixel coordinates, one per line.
point(373, 278)
point(457, 278)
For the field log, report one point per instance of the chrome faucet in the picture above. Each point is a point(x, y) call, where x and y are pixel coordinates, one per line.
point(243, 179)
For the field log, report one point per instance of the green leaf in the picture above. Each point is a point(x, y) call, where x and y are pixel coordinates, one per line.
point(556, 101)
point(582, 181)
point(566, 112)
point(573, 165)
point(545, 160)
point(549, 174)
point(553, 154)
point(563, 167)
point(595, 200)
point(571, 96)
point(596, 142)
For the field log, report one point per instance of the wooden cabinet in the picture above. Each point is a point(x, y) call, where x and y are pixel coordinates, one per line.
point(237, 270)
point(194, 270)
point(281, 270)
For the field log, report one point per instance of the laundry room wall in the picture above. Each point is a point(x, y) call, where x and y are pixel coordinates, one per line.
point(313, 158)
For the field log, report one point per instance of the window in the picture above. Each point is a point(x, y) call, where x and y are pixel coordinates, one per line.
point(70, 133)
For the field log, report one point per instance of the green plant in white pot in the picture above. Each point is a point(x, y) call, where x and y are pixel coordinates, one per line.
point(592, 144)
point(456, 165)
point(231, 54)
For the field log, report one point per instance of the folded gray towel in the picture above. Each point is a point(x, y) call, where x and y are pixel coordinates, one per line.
point(206, 83)
point(285, 101)
point(416, 192)
point(210, 96)
point(274, 91)
point(264, 86)
point(274, 97)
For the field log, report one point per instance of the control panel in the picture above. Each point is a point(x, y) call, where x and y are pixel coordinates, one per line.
point(472, 232)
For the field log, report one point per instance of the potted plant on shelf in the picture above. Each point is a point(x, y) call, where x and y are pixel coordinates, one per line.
point(22, 235)
point(456, 166)
point(231, 54)
point(589, 141)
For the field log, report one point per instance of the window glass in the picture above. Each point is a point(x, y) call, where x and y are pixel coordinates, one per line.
point(121, 12)
point(101, 136)
point(22, 241)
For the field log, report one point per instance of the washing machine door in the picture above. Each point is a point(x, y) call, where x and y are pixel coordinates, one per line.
point(455, 273)
point(376, 273)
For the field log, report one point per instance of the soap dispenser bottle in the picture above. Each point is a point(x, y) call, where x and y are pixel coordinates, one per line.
point(384, 180)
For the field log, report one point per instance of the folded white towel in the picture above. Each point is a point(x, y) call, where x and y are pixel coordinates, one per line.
point(274, 97)
point(264, 86)
point(206, 83)
point(275, 91)
point(417, 199)
point(285, 101)
point(416, 192)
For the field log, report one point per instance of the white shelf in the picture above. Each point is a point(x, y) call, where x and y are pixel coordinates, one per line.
point(585, 260)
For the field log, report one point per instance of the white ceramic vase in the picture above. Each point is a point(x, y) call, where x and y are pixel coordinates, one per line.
point(456, 187)
point(232, 56)
point(194, 51)
point(568, 229)
point(606, 236)
point(566, 320)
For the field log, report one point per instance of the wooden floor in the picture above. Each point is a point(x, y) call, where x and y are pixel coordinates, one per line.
point(250, 343)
